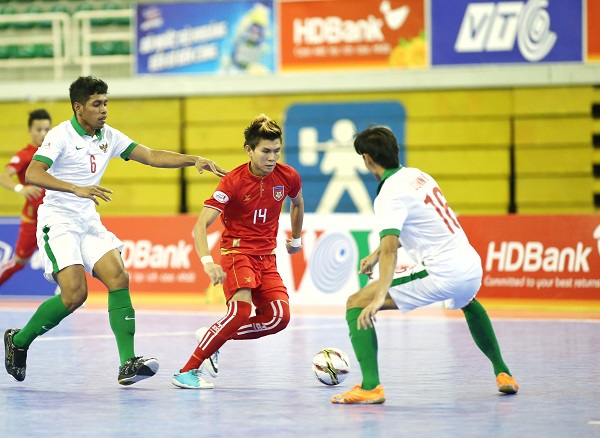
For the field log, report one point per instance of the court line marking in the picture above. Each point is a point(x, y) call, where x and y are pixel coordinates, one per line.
point(382, 316)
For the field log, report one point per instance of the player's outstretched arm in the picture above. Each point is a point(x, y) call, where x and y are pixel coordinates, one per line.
point(7, 181)
point(168, 159)
point(297, 218)
point(212, 269)
point(37, 175)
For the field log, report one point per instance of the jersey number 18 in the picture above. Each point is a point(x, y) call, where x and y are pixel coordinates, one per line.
point(439, 202)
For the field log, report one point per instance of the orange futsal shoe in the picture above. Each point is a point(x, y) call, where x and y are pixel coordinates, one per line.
point(506, 384)
point(357, 395)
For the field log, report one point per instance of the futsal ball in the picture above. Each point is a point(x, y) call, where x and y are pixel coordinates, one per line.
point(331, 366)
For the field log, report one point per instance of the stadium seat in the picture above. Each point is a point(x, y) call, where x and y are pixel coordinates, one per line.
point(7, 52)
point(103, 48)
point(26, 51)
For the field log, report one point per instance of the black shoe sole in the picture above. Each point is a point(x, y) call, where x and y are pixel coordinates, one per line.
point(144, 372)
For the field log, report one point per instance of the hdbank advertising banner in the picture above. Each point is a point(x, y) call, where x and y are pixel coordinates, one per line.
point(205, 37)
point(526, 31)
point(29, 280)
point(523, 257)
point(352, 34)
point(554, 257)
point(319, 143)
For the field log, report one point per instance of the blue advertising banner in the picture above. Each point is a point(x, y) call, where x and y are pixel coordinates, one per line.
point(29, 280)
point(527, 31)
point(205, 37)
point(319, 144)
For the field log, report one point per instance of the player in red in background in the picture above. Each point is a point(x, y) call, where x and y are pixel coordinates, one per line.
point(249, 200)
point(39, 124)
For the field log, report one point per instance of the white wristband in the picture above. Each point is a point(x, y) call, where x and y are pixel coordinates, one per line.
point(296, 243)
point(206, 259)
point(18, 188)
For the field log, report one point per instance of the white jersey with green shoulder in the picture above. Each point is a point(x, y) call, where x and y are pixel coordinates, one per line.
point(78, 158)
point(410, 204)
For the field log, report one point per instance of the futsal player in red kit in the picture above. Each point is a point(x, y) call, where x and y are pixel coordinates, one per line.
point(39, 123)
point(249, 200)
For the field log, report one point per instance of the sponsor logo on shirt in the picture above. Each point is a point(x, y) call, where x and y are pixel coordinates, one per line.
point(278, 193)
point(221, 197)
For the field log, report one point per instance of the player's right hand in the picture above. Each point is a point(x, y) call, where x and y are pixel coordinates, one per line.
point(215, 272)
point(93, 192)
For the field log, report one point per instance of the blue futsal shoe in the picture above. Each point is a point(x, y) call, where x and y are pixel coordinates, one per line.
point(191, 379)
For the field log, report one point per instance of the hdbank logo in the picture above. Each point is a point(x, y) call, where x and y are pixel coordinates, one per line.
point(506, 31)
point(319, 144)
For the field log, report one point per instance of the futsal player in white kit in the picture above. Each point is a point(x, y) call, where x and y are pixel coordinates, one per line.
point(72, 240)
point(411, 212)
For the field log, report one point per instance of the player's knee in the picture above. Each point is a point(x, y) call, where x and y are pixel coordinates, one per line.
point(74, 298)
point(120, 280)
point(353, 301)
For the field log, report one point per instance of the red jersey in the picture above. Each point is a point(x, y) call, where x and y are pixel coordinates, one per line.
point(20, 162)
point(250, 206)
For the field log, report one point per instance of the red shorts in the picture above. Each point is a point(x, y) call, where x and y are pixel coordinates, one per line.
point(258, 273)
point(26, 242)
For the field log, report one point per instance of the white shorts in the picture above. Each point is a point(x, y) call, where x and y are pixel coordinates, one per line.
point(415, 287)
point(73, 241)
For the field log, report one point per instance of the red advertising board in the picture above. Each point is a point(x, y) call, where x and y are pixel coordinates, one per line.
point(159, 253)
point(593, 35)
point(547, 257)
point(352, 34)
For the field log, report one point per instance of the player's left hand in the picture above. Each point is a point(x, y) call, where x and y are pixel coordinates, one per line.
point(203, 164)
point(367, 316)
point(291, 249)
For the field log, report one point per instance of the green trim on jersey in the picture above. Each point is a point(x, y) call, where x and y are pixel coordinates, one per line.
point(412, 277)
point(386, 175)
point(127, 151)
point(82, 131)
point(43, 159)
point(389, 232)
point(48, 250)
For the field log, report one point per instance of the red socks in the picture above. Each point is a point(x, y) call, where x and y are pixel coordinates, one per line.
point(238, 313)
point(269, 320)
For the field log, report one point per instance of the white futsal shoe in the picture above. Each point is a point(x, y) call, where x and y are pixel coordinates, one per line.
point(210, 365)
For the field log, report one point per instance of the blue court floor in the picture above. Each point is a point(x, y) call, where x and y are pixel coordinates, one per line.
point(437, 383)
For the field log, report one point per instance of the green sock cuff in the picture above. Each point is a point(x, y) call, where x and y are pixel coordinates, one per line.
point(56, 305)
point(119, 299)
point(473, 310)
point(353, 314)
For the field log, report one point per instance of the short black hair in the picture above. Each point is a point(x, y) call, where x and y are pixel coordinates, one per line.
point(38, 114)
point(381, 145)
point(262, 128)
point(85, 86)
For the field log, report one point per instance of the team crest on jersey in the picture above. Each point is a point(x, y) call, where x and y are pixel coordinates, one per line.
point(278, 193)
point(104, 147)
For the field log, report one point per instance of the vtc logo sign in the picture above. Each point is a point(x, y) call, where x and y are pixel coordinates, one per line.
point(494, 27)
point(319, 143)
